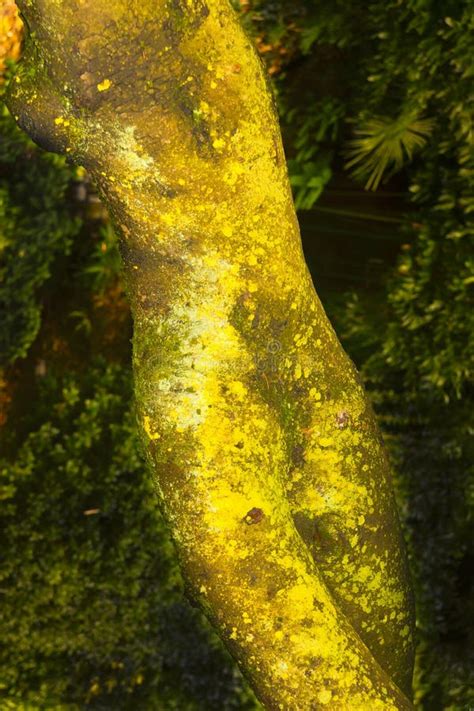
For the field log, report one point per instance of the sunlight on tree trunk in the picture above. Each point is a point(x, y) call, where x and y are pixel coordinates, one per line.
point(263, 447)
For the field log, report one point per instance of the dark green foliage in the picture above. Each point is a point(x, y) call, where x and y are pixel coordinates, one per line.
point(430, 334)
point(36, 227)
point(92, 606)
point(314, 138)
point(408, 66)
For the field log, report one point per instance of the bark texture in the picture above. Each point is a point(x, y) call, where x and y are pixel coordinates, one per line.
point(264, 449)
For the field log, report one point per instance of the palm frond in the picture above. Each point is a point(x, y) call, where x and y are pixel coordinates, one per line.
point(385, 144)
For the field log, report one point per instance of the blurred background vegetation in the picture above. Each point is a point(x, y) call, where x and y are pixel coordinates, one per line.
point(376, 105)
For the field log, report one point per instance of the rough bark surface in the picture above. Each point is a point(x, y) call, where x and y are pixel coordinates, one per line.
point(264, 449)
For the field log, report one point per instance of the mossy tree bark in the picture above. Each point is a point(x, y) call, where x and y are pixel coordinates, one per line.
point(263, 447)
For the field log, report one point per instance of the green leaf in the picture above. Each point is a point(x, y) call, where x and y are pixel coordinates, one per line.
point(383, 145)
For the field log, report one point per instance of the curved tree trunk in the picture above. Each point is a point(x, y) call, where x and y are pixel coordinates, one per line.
point(263, 447)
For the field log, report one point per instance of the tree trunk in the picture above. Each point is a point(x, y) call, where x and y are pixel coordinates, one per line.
point(265, 453)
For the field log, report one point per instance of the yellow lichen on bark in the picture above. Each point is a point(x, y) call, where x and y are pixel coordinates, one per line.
point(264, 450)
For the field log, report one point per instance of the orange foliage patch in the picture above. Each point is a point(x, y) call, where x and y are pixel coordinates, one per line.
point(11, 32)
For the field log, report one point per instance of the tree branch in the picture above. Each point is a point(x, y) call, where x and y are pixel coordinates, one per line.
point(259, 437)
